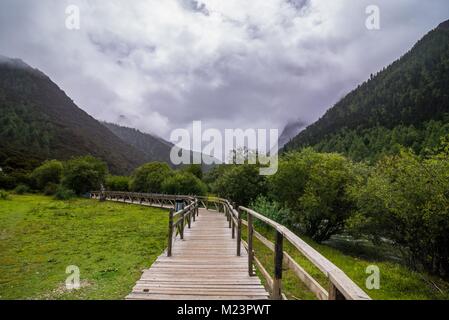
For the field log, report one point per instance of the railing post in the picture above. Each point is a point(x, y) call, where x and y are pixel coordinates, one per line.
point(170, 232)
point(189, 218)
point(250, 245)
point(181, 231)
point(229, 218)
point(334, 293)
point(232, 223)
point(278, 256)
point(239, 232)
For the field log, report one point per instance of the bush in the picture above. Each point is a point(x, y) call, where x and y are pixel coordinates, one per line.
point(149, 177)
point(118, 183)
point(48, 172)
point(184, 183)
point(315, 187)
point(64, 194)
point(406, 200)
point(241, 184)
point(4, 195)
point(7, 182)
point(51, 189)
point(22, 189)
point(272, 210)
point(84, 174)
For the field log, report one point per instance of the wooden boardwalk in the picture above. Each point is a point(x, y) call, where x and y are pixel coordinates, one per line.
point(203, 266)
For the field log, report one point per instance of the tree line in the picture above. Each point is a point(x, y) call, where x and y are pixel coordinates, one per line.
point(402, 199)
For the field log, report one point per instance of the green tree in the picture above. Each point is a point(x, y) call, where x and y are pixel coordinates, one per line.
point(314, 186)
point(241, 184)
point(48, 172)
point(194, 169)
point(83, 174)
point(184, 183)
point(118, 183)
point(406, 200)
point(149, 177)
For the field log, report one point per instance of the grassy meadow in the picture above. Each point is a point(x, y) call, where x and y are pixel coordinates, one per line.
point(110, 243)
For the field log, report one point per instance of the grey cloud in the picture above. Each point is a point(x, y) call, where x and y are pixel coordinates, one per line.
point(163, 64)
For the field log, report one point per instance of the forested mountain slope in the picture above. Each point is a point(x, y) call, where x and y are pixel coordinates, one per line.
point(154, 148)
point(39, 121)
point(405, 104)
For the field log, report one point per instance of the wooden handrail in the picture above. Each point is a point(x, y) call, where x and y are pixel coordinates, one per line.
point(342, 287)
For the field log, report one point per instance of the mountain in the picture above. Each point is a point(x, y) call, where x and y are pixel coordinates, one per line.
point(39, 121)
point(154, 148)
point(290, 131)
point(405, 104)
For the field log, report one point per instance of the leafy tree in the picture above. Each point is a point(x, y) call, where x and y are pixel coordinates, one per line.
point(194, 169)
point(48, 172)
point(241, 184)
point(406, 200)
point(314, 186)
point(149, 177)
point(118, 183)
point(184, 183)
point(83, 174)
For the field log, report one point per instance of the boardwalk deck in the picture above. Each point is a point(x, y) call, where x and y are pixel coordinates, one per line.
point(204, 266)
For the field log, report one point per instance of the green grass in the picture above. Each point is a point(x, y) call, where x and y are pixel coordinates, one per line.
point(110, 243)
point(397, 282)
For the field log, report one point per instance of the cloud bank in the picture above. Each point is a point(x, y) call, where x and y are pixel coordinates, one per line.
point(159, 65)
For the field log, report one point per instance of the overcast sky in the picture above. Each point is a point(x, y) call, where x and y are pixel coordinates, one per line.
point(158, 65)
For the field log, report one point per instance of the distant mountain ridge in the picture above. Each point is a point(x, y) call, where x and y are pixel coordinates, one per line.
point(154, 148)
point(405, 104)
point(39, 121)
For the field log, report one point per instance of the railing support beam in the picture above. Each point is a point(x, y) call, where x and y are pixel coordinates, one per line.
point(278, 257)
point(170, 233)
point(250, 245)
point(239, 233)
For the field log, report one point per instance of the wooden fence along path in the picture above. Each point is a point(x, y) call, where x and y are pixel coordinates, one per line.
point(206, 257)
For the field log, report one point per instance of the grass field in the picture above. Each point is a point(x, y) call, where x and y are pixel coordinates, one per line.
point(110, 243)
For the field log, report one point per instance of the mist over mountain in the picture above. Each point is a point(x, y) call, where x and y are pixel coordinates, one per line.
point(39, 121)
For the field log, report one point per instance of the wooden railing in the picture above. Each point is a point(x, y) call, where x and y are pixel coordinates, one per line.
point(341, 287)
point(177, 222)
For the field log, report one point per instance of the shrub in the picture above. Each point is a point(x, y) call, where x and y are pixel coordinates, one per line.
point(48, 172)
point(51, 189)
point(315, 187)
point(117, 183)
point(4, 195)
point(149, 177)
point(63, 193)
point(184, 183)
point(7, 182)
point(241, 184)
point(22, 189)
point(84, 174)
point(272, 210)
point(406, 200)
